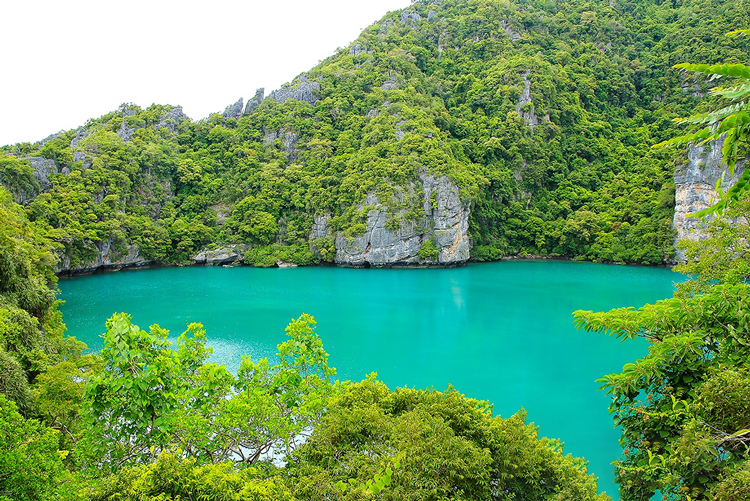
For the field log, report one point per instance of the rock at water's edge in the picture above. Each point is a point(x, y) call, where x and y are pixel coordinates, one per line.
point(445, 222)
point(216, 257)
point(107, 258)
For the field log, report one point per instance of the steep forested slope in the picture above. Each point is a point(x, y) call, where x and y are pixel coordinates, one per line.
point(518, 127)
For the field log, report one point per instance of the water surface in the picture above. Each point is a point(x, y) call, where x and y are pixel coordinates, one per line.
point(501, 332)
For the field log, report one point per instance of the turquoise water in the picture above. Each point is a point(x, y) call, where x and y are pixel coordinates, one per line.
point(502, 331)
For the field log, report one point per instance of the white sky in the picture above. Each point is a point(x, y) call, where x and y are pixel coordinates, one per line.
point(63, 62)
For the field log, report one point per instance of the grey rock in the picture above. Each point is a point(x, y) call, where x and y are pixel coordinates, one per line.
point(357, 49)
point(125, 132)
point(222, 212)
point(65, 171)
point(255, 101)
point(430, 15)
point(234, 110)
point(172, 119)
point(128, 109)
point(384, 27)
point(320, 226)
point(81, 134)
point(49, 138)
point(512, 34)
point(390, 84)
point(529, 116)
point(284, 264)
point(302, 89)
point(289, 140)
point(290, 145)
point(400, 133)
point(450, 217)
point(79, 156)
point(270, 136)
point(43, 169)
point(109, 256)
point(445, 221)
point(410, 17)
point(693, 88)
point(217, 257)
point(695, 188)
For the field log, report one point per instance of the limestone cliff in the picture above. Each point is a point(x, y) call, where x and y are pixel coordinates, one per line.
point(695, 188)
point(108, 255)
point(443, 219)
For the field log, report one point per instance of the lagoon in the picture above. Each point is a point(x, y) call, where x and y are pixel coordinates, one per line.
point(501, 331)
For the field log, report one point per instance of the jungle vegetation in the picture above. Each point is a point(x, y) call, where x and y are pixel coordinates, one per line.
point(149, 420)
point(542, 113)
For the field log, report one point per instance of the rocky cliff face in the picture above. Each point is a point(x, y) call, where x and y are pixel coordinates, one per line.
point(444, 220)
point(108, 257)
point(695, 188)
point(301, 89)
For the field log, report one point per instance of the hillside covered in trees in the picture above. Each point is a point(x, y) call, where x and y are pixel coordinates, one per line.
point(529, 122)
point(495, 128)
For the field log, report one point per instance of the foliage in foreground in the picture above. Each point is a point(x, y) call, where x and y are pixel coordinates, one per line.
point(684, 408)
point(149, 397)
point(449, 447)
point(31, 465)
point(31, 327)
point(730, 122)
point(723, 256)
point(170, 477)
point(162, 423)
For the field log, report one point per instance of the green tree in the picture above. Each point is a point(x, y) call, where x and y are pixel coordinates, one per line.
point(31, 328)
point(252, 224)
point(171, 478)
point(149, 397)
point(723, 256)
point(129, 405)
point(450, 447)
point(31, 466)
point(683, 407)
point(266, 410)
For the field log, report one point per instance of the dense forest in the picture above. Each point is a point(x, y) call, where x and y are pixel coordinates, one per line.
point(541, 114)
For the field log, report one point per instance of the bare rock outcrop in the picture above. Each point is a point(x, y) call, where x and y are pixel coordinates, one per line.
point(524, 106)
point(255, 101)
point(512, 34)
point(695, 188)
point(110, 256)
point(221, 256)
point(357, 49)
point(234, 110)
point(302, 89)
point(43, 168)
point(172, 119)
point(444, 221)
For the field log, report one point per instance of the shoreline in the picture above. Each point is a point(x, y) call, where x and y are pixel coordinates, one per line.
point(68, 274)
